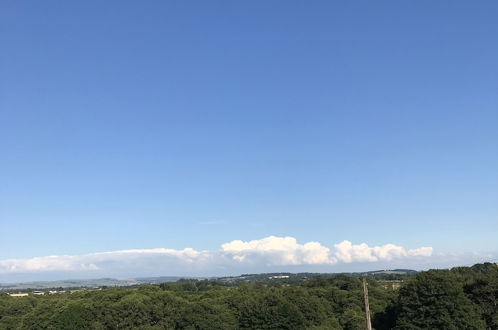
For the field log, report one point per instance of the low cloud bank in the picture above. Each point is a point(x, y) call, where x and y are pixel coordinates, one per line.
point(256, 255)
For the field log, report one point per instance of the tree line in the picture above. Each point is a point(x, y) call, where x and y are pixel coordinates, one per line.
point(460, 298)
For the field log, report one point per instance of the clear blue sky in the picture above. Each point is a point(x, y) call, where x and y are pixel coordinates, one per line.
point(142, 124)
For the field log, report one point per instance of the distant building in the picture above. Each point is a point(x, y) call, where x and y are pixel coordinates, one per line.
point(18, 294)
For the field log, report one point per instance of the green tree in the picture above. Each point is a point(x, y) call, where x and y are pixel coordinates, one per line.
point(483, 291)
point(75, 316)
point(435, 300)
point(268, 309)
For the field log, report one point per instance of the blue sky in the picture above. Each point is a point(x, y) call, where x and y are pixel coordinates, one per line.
point(140, 125)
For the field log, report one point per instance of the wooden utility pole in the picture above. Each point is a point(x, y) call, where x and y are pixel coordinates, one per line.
point(367, 306)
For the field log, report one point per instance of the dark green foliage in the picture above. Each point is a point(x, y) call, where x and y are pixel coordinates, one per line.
point(73, 316)
point(386, 319)
point(461, 298)
point(206, 315)
point(483, 291)
point(435, 300)
point(268, 309)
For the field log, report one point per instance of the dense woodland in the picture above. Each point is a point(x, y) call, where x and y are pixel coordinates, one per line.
point(460, 298)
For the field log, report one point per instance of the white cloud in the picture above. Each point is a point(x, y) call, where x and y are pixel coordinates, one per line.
point(425, 251)
point(279, 251)
point(252, 255)
point(48, 263)
point(348, 252)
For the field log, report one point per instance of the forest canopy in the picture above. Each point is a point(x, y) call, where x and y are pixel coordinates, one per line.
point(460, 298)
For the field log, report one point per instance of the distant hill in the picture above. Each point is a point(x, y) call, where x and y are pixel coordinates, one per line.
point(117, 282)
point(90, 283)
point(293, 277)
point(387, 272)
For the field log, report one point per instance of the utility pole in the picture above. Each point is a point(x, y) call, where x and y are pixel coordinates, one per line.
point(367, 306)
